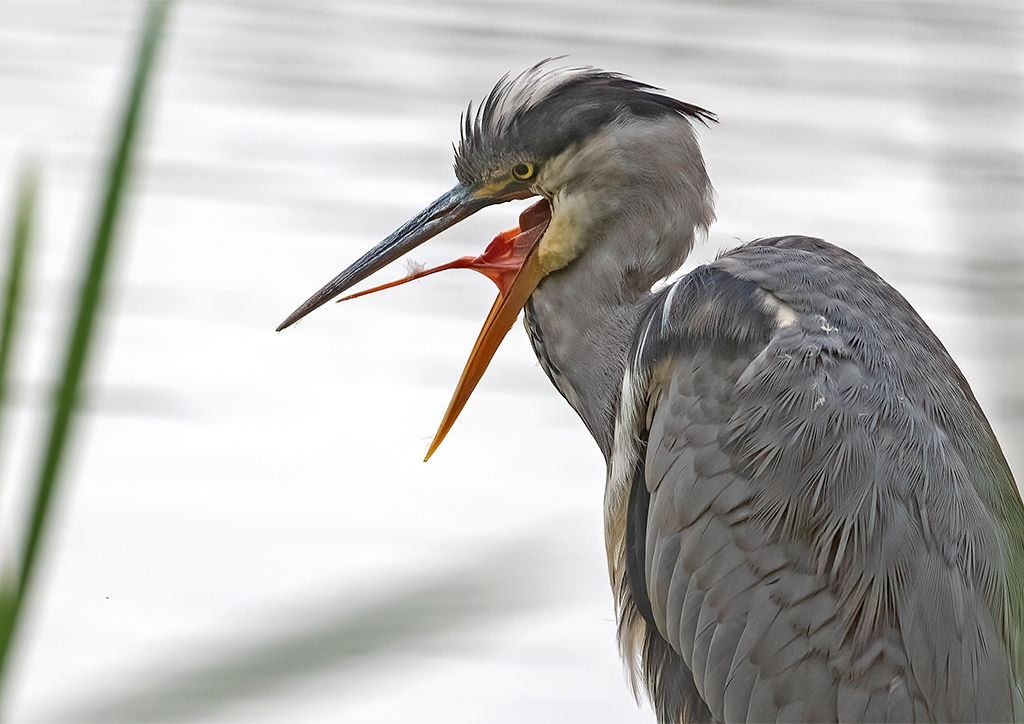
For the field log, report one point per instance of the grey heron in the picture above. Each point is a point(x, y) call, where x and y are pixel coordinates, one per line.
point(807, 515)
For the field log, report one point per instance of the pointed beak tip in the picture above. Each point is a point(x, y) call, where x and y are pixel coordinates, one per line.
point(290, 320)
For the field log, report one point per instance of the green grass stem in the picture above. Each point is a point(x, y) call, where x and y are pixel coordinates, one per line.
point(14, 586)
point(24, 212)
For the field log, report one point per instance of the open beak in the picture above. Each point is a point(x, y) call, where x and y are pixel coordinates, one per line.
point(510, 261)
point(459, 203)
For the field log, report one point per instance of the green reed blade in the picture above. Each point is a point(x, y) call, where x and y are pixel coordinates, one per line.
point(14, 586)
point(28, 186)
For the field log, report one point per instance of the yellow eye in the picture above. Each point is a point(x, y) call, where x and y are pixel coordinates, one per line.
point(524, 171)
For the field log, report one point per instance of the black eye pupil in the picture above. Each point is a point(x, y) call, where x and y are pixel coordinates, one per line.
point(522, 170)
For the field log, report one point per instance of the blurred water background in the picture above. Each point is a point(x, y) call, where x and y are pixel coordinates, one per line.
point(249, 533)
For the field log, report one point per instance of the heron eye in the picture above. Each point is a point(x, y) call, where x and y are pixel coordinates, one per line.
point(524, 171)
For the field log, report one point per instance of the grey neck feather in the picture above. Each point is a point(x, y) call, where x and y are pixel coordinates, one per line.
point(645, 212)
point(581, 338)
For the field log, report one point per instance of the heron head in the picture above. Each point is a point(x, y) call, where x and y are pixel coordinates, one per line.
point(593, 145)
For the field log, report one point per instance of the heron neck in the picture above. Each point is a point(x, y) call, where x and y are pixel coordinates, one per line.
point(628, 202)
point(581, 331)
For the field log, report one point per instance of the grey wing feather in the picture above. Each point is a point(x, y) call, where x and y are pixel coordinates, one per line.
point(832, 532)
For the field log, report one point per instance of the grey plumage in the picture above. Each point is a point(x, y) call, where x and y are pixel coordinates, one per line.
point(807, 515)
point(833, 535)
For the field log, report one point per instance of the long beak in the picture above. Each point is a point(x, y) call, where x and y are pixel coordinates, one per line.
point(510, 261)
point(456, 205)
